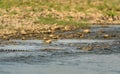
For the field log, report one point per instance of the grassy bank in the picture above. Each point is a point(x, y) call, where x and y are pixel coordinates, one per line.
point(62, 11)
point(16, 15)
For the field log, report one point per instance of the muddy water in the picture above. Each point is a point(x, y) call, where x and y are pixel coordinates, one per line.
point(63, 56)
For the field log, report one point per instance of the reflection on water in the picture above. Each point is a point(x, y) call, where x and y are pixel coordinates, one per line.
point(90, 64)
point(61, 56)
point(65, 58)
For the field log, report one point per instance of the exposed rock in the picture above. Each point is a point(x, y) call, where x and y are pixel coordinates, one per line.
point(110, 20)
point(106, 36)
point(45, 38)
point(86, 31)
point(81, 35)
point(87, 48)
point(48, 41)
point(23, 32)
point(51, 49)
point(67, 28)
point(51, 35)
point(5, 38)
point(23, 38)
point(101, 31)
point(56, 27)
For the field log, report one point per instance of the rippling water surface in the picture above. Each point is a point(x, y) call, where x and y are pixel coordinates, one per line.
point(62, 56)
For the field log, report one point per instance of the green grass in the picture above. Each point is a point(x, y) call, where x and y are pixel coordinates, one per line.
point(5, 4)
point(2, 27)
point(63, 5)
point(107, 7)
point(49, 20)
point(111, 13)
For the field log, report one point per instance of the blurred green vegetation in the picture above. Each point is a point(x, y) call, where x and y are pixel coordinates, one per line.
point(64, 5)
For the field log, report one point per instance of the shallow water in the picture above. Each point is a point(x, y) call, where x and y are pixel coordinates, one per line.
point(62, 56)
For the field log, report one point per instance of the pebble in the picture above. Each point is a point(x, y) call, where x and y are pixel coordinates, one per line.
point(23, 38)
point(87, 48)
point(23, 32)
point(5, 37)
point(106, 36)
point(81, 35)
point(86, 31)
point(49, 41)
point(67, 28)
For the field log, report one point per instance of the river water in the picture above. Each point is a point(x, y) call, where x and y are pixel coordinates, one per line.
point(62, 56)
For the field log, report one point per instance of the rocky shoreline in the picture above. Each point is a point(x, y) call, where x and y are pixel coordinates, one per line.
point(31, 23)
point(36, 32)
point(53, 32)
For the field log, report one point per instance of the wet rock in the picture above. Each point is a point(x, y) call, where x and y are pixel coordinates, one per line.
point(48, 41)
point(5, 38)
point(23, 38)
point(51, 35)
point(113, 35)
point(87, 48)
point(86, 31)
point(81, 35)
point(106, 36)
point(45, 38)
point(51, 49)
point(46, 31)
point(101, 31)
